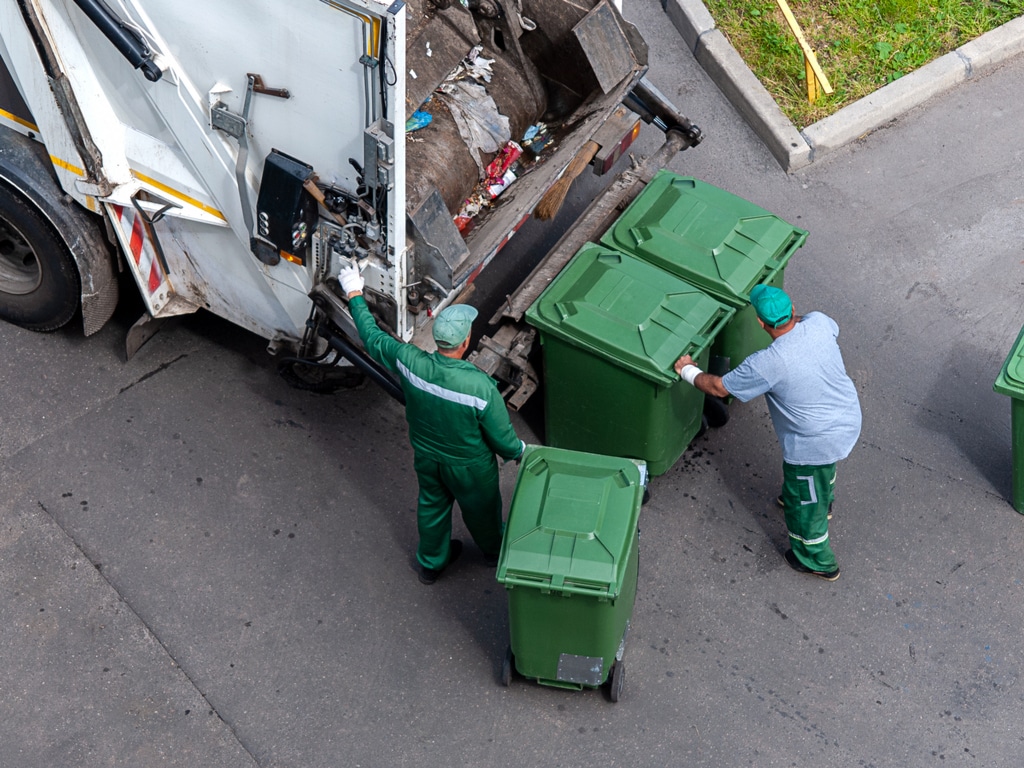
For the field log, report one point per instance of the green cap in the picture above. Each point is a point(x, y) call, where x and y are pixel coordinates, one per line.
point(772, 305)
point(452, 325)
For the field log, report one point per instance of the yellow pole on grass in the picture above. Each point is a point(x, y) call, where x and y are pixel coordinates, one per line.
point(817, 83)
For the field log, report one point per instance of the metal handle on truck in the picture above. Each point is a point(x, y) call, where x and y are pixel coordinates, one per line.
point(352, 353)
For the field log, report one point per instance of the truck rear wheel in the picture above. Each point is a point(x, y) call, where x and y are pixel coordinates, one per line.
point(39, 283)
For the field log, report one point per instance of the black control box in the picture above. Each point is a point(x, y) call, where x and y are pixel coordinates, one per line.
point(286, 212)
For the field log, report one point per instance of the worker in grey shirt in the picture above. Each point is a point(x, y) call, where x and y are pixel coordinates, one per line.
point(814, 408)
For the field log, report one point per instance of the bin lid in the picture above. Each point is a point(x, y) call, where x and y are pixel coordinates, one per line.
point(1010, 380)
point(572, 522)
point(712, 238)
point(628, 312)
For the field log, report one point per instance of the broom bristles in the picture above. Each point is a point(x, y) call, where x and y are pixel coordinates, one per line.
point(551, 203)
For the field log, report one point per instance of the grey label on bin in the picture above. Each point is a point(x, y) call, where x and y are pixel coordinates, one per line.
point(585, 670)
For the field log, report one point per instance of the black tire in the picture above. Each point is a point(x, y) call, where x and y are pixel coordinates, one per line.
point(40, 288)
point(507, 665)
point(616, 681)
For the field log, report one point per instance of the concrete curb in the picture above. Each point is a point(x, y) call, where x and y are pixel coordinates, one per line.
point(796, 149)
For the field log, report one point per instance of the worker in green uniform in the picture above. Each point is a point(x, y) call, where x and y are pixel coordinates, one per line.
point(457, 423)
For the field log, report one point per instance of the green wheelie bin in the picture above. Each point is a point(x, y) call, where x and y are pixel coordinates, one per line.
point(569, 562)
point(719, 242)
point(611, 327)
point(1010, 381)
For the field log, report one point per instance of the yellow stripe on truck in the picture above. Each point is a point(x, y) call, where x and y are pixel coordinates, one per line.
point(152, 182)
point(180, 195)
point(15, 119)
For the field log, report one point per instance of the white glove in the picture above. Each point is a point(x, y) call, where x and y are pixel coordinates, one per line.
point(350, 279)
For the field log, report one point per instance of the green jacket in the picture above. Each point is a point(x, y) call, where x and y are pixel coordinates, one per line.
point(454, 410)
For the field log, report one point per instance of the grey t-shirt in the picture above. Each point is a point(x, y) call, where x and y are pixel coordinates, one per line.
point(812, 402)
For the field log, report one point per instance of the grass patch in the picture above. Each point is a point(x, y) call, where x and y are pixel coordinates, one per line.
point(861, 44)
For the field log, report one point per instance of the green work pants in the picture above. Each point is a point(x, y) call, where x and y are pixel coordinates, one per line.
point(807, 493)
point(475, 487)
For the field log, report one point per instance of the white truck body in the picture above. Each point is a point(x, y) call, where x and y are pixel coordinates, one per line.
point(174, 152)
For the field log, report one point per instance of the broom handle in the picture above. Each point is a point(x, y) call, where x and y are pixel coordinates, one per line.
point(582, 159)
point(310, 186)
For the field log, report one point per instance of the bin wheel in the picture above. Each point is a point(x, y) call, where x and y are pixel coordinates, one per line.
point(716, 411)
point(506, 667)
point(618, 678)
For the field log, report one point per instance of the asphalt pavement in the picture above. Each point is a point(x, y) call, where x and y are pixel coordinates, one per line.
point(203, 567)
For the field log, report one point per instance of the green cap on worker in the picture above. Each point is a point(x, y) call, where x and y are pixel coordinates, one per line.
point(452, 325)
point(772, 305)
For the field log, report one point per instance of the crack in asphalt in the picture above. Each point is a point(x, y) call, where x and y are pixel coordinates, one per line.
point(159, 369)
point(156, 638)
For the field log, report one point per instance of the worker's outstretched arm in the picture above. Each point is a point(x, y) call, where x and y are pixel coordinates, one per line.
point(497, 429)
point(707, 383)
point(379, 345)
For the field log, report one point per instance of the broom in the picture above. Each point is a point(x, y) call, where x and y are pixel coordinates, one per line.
point(550, 204)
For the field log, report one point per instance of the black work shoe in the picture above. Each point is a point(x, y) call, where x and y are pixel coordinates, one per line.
point(799, 567)
point(429, 575)
point(778, 501)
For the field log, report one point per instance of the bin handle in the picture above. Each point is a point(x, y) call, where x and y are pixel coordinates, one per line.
point(798, 238)
point(605, 591)
point(707, 337)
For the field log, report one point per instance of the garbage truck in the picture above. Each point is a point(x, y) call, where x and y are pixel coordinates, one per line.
point(234, 156)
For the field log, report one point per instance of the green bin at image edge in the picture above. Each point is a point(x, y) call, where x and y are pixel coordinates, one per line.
point(717, 241)
point(611, 327)
point(569, 562)
point(1011, 382)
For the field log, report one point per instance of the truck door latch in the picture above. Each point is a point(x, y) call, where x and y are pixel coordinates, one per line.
point(236, 126)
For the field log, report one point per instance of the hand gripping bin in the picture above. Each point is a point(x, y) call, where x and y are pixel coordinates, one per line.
point(611, 327)
point(719, 242)
point(569, 564)
point(1011, 382)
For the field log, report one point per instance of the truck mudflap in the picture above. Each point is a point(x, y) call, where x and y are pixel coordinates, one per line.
point(505, 355)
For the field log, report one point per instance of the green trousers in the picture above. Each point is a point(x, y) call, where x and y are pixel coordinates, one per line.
point(476, 489)
point(807, 493)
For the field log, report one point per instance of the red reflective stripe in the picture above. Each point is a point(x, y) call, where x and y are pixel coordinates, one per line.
point(144, 258)
point(508, 237)
point(155, 278)
point(476, 272)
point(135, 244)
